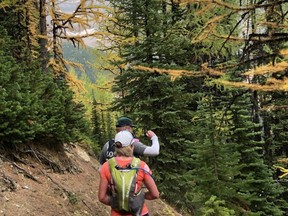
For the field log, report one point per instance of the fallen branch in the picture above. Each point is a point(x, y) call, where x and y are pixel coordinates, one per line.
point(43, 159)
point(87, 205)
point(26, 173)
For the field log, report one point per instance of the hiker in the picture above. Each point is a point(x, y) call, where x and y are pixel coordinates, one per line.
point(114, 172)
point(125, 123)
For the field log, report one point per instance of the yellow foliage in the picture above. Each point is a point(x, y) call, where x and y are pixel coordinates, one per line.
point(277, 107)
point(283, 160)
point(75, 83)
point(204, 10)
point(279, 86)
point(174, 73)
point(4, 4)
point(271, 84)
point(284, 52)
point(269, 68)
point(219, 3)
point(74, 64)
point(232, 38)
point(130, 40)
point(52, 63)
point(211, 71)
point(208, 29)
point(283, 170)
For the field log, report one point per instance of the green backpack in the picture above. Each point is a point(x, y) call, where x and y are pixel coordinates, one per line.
point(123, 186)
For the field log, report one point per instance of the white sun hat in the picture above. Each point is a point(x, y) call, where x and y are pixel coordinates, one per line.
point(124, 137)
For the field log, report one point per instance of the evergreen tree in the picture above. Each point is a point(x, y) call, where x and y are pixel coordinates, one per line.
point(274, 114)
point(18, 102)
point(110, 126)
point(96, 132)
point(35, 106)
point(214, 161)
point(257, 188)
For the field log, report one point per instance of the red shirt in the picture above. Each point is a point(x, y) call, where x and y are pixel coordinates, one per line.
point(142, 175)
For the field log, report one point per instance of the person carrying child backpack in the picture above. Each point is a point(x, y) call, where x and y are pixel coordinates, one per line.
point(140, 149)
point(122, 180)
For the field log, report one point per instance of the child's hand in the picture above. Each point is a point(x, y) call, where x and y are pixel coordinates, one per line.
point(136, 140)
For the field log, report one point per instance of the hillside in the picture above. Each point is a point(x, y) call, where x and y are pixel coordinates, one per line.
point(65, 181)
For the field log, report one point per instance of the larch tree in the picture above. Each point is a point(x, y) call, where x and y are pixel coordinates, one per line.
point(53, 111)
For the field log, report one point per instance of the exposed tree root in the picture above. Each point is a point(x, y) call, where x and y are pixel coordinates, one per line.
point(25, 172)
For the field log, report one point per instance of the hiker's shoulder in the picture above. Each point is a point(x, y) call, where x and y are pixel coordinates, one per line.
point(139, 145)
point(106, 164)
point(144, 165)
point(105, 170)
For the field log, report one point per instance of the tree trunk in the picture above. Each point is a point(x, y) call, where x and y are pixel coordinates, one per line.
point(43, 33)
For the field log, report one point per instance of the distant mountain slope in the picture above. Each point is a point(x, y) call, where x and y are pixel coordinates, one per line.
point(82, 56)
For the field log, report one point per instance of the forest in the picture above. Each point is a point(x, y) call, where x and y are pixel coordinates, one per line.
point(210, 77)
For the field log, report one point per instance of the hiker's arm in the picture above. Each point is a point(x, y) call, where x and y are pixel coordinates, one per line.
point(154, 149)
point(152, 192)
point(102, 193)
point(141, 149)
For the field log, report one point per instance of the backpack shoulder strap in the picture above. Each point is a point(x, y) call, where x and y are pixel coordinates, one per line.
point(135, 163)
point(112, 163)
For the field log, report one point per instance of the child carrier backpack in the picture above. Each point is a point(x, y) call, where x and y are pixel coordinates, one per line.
point(110, 150)
point(126, 197)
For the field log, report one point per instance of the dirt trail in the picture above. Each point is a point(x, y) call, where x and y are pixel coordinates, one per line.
point(30, 188)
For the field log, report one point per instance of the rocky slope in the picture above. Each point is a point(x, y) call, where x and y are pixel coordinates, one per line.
point(55, 182)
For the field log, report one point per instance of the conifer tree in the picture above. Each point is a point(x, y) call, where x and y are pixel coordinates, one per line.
point(257, 189)
point(110, 126)
point(214, 161)
point(41, 105)
point(17, 99)
point(96, 132)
